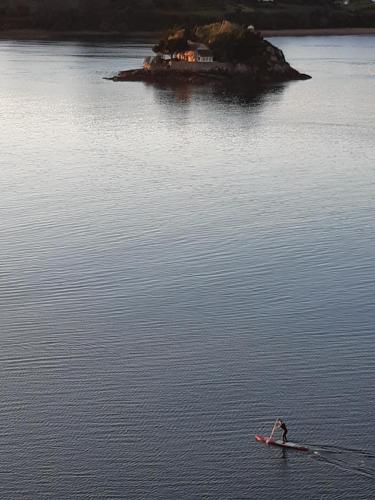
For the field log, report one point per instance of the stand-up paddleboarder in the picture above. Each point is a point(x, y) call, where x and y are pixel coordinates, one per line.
point(281, 425)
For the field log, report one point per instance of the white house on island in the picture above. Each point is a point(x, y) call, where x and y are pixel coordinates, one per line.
point(196, 53)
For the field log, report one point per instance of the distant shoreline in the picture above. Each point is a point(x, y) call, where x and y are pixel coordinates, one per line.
point(44, 35)
point(320, 32)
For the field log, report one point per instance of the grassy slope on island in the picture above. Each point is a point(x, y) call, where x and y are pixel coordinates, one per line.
point(156, 15)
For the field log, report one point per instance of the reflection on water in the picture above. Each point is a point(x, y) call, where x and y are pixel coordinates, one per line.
point(240, 94)
point(180, 266)
point(249, 95)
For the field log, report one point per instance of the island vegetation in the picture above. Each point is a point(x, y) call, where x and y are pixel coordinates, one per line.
point(222, 52)
point(229, 42)
point(123, 16)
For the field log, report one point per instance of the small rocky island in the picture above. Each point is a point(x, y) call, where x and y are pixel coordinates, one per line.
point(217, 53)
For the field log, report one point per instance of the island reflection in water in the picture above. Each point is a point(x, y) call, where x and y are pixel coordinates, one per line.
point(240, 94)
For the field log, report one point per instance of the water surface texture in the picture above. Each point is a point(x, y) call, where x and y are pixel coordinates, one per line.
point(178, 268)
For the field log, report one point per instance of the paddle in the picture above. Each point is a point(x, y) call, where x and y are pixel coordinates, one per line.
point(273, 430)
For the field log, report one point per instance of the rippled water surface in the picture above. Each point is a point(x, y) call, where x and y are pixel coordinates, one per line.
point(178, 268)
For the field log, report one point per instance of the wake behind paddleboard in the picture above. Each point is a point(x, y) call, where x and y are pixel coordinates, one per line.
point(278, 442)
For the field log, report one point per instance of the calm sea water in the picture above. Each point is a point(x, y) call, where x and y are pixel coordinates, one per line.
point(179, 267)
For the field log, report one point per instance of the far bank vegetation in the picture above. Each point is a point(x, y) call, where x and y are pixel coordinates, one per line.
point(155, 15)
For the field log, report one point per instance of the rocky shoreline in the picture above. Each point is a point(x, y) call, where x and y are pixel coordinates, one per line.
point(244, 75)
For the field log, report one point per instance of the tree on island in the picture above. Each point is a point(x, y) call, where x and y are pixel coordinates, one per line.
point(173, 42)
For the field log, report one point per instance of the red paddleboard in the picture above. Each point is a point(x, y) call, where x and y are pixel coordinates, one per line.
point(278, 442)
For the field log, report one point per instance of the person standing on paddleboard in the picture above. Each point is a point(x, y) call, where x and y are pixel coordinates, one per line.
point(281, 425)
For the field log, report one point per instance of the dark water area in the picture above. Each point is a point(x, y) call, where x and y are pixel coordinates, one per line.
point(179, 267)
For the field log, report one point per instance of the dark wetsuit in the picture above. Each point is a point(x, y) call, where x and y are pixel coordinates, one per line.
point(285, 431)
